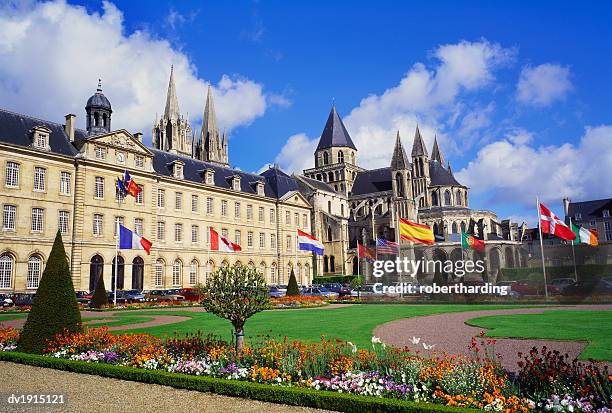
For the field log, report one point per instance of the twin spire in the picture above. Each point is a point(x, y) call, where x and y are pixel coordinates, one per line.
point(172, 107)
point(400, 159)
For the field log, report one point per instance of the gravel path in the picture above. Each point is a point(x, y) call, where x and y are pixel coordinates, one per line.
point(86, 393)
point(451, 335)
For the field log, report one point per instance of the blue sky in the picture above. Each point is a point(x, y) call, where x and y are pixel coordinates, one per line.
point(519, 94)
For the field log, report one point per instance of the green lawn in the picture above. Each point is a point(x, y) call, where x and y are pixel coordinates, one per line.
point(354, 323)
point(125, 319)
point(595, 327)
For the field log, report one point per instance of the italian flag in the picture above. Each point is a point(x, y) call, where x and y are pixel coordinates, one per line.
point(584, 235)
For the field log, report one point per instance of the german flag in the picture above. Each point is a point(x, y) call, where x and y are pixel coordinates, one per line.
point(411, 231)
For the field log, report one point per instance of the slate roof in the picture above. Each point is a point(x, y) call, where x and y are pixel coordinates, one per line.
point(590, 209)
point(323, 186)
point(436, 153)
point(16, 129)
point(440, 176)
point(279, 182)
point(375, 180)
point(399, 160)
point(335, 134)
point(418, 146)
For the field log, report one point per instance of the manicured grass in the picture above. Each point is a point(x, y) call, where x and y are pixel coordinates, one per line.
point(117, 321)
point(591, 326)
point(7, 317)
point(354, 323)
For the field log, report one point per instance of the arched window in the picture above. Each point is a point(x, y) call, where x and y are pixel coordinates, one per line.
point(193, 273)
point(458, 198)
point(434, 198)
point(34, 269)
point(299, 274)
point(177, 268)
point(262, 268)
point(435, 228)
point(342, 210)
point(340, 157)
point(463, 227)
point(332, 263)
point(210, 268)
point(330, 176)
point(329, 233)
point(96, 270)
point(454, 228)
point(6, 270)
point(337, 173)
point(353, 159)
point(399, 184)
point(325, 158)
point(421, 167)
point(96, 119)
point(306, 274)
point(273, 273)
point(319, 177)
point(104, 120)
point(120, 274)
point(325, 264)
point(447, 198)
point(289, 268)
point(158, 280)
point(137, 273)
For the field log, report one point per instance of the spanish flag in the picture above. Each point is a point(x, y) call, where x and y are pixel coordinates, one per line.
point(411, 231)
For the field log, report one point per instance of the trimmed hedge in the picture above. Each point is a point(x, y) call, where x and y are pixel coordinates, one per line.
point(293, 396)
point(585, 271)
point(324, 279)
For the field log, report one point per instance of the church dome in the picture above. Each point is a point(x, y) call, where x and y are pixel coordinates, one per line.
point(98, 100)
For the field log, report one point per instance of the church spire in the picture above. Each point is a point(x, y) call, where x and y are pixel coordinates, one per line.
point(212, 146)
point(400, 159)
point(172, 107)
point(210, 117)
point(436, 153)
point(418, 146)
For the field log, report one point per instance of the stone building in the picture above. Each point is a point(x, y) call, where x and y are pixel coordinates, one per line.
point(58, 177)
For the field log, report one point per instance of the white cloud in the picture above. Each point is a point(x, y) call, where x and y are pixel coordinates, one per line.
point(423, 94)
point(297, 154)
point(51, 55)
point(511, 170)
point(543, 84)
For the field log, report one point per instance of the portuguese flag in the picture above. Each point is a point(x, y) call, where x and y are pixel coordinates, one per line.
point(584, 235)
point(469, 241)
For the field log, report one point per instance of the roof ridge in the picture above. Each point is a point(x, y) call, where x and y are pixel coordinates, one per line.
point(32, 117)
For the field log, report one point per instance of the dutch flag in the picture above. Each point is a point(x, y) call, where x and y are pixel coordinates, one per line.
point(307, 242)
point(129, 240)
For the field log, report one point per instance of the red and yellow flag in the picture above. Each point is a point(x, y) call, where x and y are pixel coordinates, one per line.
point(411, 231)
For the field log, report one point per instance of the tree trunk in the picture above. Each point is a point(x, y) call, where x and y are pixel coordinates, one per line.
point(239, 339)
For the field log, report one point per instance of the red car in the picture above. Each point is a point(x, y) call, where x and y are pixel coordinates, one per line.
point(191, 294)
point(529, 287)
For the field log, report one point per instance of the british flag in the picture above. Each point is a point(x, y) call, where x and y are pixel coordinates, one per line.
point(386, 247)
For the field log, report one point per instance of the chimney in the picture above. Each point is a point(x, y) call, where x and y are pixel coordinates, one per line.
point(69, 126)
point(566, 203)
point(138, 135)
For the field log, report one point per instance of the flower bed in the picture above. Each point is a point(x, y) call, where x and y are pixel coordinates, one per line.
point(546, 381)
point(297, 301)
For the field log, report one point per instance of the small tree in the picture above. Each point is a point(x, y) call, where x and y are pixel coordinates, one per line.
point(357, 284)
point(55, 307)
point(99, 297)
point(293, 289)
point(236, 293)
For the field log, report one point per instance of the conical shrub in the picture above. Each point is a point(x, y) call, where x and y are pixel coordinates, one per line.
point(100, 297)
point(292, 287)
point(55, 306)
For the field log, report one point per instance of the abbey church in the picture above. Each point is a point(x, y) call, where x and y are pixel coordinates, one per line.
point(57, 177)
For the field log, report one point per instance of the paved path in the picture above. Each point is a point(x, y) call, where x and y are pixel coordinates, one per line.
point(86, 393)
point(450, 334)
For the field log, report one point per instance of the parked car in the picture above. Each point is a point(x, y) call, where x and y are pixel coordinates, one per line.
point(282, 288)
point(191, 294)
point(275, 292)
point(366, 291)
point(6, 301)
point(174, 295)
point(509, 291)
point(589, 287)
point(318, 292)
point(338, 288)
point(22, 300)
point(81, 297)
point(133, 296)
point(121, 298)
point(529, 287)
point(561, 283)
point(154, 295)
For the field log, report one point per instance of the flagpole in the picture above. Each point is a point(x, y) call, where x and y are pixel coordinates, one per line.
point(358, 269)
point(541, 245)
point(399, 251)
point(573, 253)
point(117, 252)
point(208, 259)
point(297, 239)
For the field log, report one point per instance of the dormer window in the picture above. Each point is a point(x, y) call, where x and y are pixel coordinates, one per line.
point(177, 169)
point(40, 137)
point(236, 183)
point(209, 176)
point(606, 213)
point(259, 186)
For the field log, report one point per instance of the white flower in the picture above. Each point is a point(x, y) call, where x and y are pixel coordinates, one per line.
point(415, 340)
point(376, 340)
point(428, 346)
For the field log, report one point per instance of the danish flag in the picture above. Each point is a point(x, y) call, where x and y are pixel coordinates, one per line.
point(551, 224)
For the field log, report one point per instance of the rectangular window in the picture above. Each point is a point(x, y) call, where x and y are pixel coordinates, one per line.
point(209, 205)
point(288, 242)
point(63, 223)
point(237, 237)
point(138, 226)
point(193, 273)
point(178, 232)
point(161, 230)
point(161, 198)
point(9, 217)
point(195, 230)
point(250, 239)
point(273, 241)
point(140, 197)
point(100, 152)
point(39, 178)
point(272, 216)
point(296, 219)
point(12, 175)
point(607, 226)
point(41, 140)
point(99, 189)
point(261, 214)
point(262, 240)
point(224, 232)
point(223, 208)
point(178, 204)
point(305, 221)
point(249, 212)
point(159, 273)
point(34, 270)
point(118, 220)
point(237, 210)
point(139, 160)
point(287, 217)
point(37, 219)
point(65, 180)
point(194, 203)
point(97, 224)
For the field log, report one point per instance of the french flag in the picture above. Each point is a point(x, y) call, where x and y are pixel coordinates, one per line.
point(307, 242)
point(129, 240)
point(220, 243)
